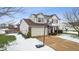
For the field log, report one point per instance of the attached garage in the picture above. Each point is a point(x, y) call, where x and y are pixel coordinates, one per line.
point(38, 31)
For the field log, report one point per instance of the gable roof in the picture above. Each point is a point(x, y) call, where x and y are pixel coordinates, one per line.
point(31, 23)
point(56, 16)
point(49, 16)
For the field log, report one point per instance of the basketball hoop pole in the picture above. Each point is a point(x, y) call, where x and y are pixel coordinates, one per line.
point(42, 45)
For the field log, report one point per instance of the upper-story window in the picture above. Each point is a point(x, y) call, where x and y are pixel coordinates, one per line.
point(56, 21)
point(40, 20)
point(52, 20)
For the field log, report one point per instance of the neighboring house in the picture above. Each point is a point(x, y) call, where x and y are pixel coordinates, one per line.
point(8, 28)
point(3, 26)
point(12, 29)
point(37, 22)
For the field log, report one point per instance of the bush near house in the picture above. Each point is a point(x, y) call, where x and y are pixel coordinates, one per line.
point(28, 35)
point(6, 39)
point(59, 31)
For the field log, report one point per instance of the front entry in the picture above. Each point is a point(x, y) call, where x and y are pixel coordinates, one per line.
point(52, 30)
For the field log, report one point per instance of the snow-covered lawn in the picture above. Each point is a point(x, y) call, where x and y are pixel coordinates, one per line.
point(69, 37)
point(71, 32)
point(22, 44)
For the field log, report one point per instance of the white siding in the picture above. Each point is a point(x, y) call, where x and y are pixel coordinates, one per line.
point(33, 18)
point(50, 20)
point(38, 31)
point(24, 27)
point(41, 17)
point(54, 19)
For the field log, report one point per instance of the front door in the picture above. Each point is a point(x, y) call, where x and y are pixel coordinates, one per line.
point(50, 30)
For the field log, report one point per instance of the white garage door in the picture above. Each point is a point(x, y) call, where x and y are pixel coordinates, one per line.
point(38, 31)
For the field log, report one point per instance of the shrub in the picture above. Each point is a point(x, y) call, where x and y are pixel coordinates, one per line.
point(59, 31)
point(26, 36)
point(29, 34)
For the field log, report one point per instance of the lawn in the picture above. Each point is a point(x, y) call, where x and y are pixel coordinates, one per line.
point(6, 39)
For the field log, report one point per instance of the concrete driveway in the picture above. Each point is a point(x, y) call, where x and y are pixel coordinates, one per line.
point(60, 44)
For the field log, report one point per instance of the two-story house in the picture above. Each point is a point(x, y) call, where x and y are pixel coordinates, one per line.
point(40, 23)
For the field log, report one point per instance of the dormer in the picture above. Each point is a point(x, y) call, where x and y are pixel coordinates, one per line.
point(40, 18)
point(33, 17)
point(53, 18)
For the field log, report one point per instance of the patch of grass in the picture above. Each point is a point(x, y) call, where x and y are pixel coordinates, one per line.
point(6, 39)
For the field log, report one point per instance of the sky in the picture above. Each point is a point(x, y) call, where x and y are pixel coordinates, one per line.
point(27, 11)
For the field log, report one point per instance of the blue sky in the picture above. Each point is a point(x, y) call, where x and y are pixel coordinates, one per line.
point(27, 11)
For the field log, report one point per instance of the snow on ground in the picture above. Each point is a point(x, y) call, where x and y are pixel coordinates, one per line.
point(69, 37)
point(71, 32)
point(2, 31)
point(22, 44)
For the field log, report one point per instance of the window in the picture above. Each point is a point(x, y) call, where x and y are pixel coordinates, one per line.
point(56, 21)
point(39, 19)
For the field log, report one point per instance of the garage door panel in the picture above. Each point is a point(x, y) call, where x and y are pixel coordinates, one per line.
point(37, 31)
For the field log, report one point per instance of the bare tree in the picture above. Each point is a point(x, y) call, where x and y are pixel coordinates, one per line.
point(8, 11)
point(73, 18)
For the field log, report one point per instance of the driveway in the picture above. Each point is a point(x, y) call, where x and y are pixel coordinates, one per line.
point(22, 44)
point(60, 44)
